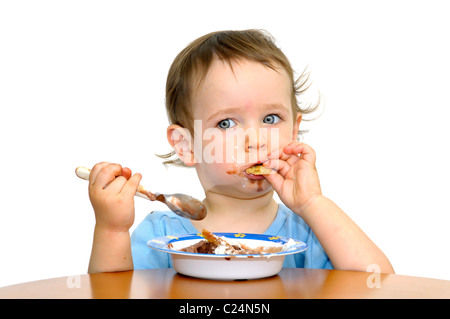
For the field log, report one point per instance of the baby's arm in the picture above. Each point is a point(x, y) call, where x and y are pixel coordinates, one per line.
point(297, 183)
point(111, 191)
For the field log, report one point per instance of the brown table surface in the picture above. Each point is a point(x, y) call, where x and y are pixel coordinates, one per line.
point(289, 283)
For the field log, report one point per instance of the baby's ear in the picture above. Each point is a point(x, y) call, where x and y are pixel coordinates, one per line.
point(295, 132)
point(181, 140)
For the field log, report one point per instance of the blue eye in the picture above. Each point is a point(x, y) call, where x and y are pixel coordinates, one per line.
point(271, 119)
point(226, 124)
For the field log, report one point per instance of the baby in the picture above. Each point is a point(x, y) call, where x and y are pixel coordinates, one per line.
point(232, 102)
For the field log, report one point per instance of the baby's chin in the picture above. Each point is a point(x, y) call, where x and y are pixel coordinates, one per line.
point(257, 185)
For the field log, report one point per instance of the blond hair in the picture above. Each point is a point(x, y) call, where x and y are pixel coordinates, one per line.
point(192, 64)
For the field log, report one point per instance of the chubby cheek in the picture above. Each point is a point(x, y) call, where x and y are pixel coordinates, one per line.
point(215, 170)
point(216, 175)
point(279, 141)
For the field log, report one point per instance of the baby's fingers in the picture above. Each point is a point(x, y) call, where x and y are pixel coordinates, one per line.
point(278, 165)
point(126, 172)
point(276, 180)
point(306, 152)
point(95, 170)
point(131, 186)
point(104, 173)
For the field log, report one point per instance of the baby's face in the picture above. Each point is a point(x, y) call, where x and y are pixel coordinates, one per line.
point(240, 116)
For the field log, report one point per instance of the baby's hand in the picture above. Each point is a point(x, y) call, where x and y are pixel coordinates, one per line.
point(111, 191)
point(295, 178)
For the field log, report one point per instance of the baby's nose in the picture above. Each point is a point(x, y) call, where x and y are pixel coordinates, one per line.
point(255, 142)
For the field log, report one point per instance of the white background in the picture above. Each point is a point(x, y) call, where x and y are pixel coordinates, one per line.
point(83, 82)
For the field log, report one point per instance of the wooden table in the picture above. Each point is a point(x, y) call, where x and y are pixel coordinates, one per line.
point(289, 283)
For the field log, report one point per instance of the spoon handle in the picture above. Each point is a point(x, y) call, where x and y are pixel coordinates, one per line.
point(83, 173)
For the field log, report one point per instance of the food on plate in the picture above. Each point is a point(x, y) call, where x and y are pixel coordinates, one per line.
point(219, 245)
point(258, 170)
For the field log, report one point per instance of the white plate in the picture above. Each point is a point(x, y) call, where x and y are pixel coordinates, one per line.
point(226, 267)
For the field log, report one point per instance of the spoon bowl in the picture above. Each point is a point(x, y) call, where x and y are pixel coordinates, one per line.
point(186, 206)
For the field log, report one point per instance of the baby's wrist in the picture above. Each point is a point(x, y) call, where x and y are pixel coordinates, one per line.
point(310, 206)
point(110, 231)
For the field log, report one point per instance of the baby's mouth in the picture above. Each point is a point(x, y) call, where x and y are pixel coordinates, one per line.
point(256, 171)
point(247, 178)
point(252, 171)
point(254, 177)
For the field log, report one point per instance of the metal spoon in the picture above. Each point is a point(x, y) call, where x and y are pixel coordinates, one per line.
point(183, 205)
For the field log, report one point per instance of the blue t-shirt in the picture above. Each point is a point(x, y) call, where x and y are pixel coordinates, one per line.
point(286, 224)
